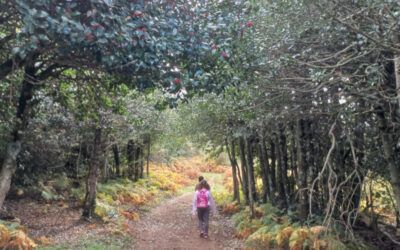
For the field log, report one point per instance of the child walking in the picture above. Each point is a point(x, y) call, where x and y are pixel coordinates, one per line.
point(203, 203)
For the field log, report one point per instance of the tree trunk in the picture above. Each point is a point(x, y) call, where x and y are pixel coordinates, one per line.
point(243, 165)
point(285, 179)
point(250, 177)
point(274, 188)
point(250, 165)
point(268, 170)
point(148, 156)
point(357, 183)
point(396, 66)
point(279, 176)
point(234, 165)
point(264, 170)
point(8, 169)
point(141, 163)
point(239, 177)
point(106, 169)
point(89, 204)
point(130, 155)
point(293, 153)
point(302, 170)
point(311, 161)
point(137, 163)
point(9, 165)
point(117, 160)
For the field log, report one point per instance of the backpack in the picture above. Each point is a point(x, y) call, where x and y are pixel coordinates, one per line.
point(202, 198)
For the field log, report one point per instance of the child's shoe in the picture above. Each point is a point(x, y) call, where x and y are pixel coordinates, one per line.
point(201, 234)
point(205, 236)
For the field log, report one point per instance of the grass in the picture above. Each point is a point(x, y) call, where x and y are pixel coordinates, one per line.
point(94, 243)
point(216, 181)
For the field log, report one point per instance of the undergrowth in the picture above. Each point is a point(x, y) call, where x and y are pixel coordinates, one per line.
point(13, 236)
point(118, 200)
point(274, 229)
point(124, 198)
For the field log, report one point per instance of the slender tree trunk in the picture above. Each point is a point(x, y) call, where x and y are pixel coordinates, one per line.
point(250, 177)
point(396, 66)
point(264, 171)
point(243, 165)
point(239, 177)
point(357, 183)
point(279, 175)
point(311, 161)
point(285, 179)
point(148, 156)
point(293, 153)
point(117, 160)
point(310, 152)
point(8, 169)
point(323, 184)
point(89, 204)
point(302, 170)
point(232, 159)
point(9, 165)
point(141, 163)
point(250, 166)
point(273, 170)
point(106, 169)
point(130, 155)
point(340, 166)
point(268, 172)
point(138, 153)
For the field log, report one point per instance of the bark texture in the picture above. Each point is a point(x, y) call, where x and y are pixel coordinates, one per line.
point(89, 204)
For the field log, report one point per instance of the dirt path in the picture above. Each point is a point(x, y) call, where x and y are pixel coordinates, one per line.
point(170, 226)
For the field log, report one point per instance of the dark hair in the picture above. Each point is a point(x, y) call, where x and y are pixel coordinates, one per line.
point(204, 184)
point(201, 178)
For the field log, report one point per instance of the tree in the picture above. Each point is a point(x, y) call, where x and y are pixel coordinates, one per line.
point(138, 41)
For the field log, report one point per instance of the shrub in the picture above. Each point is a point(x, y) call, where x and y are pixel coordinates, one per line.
point(12, 237)
point(282, 238)
point(130, 215)
point(298, 238)
point(230, 208)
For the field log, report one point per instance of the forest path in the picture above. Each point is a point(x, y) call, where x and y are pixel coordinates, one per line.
point(170, 225)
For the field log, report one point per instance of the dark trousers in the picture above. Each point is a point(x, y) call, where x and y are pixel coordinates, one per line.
point(203, 213)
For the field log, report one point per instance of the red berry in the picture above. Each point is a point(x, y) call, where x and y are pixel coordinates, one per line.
point(177, 81)
point(137, 13)
point(97, 26)
point(224, 54)
point(249, 24)
point(89, 37)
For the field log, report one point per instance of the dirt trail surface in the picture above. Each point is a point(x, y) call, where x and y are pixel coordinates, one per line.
point(171, 226)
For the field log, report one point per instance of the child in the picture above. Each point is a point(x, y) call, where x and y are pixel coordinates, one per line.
point(198, 184)
point(203, 202)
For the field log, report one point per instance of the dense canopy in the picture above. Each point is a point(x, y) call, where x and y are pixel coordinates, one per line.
point(302, 96)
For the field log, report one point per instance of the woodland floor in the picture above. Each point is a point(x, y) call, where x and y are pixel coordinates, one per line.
point(168, 225)
point(171, 226)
